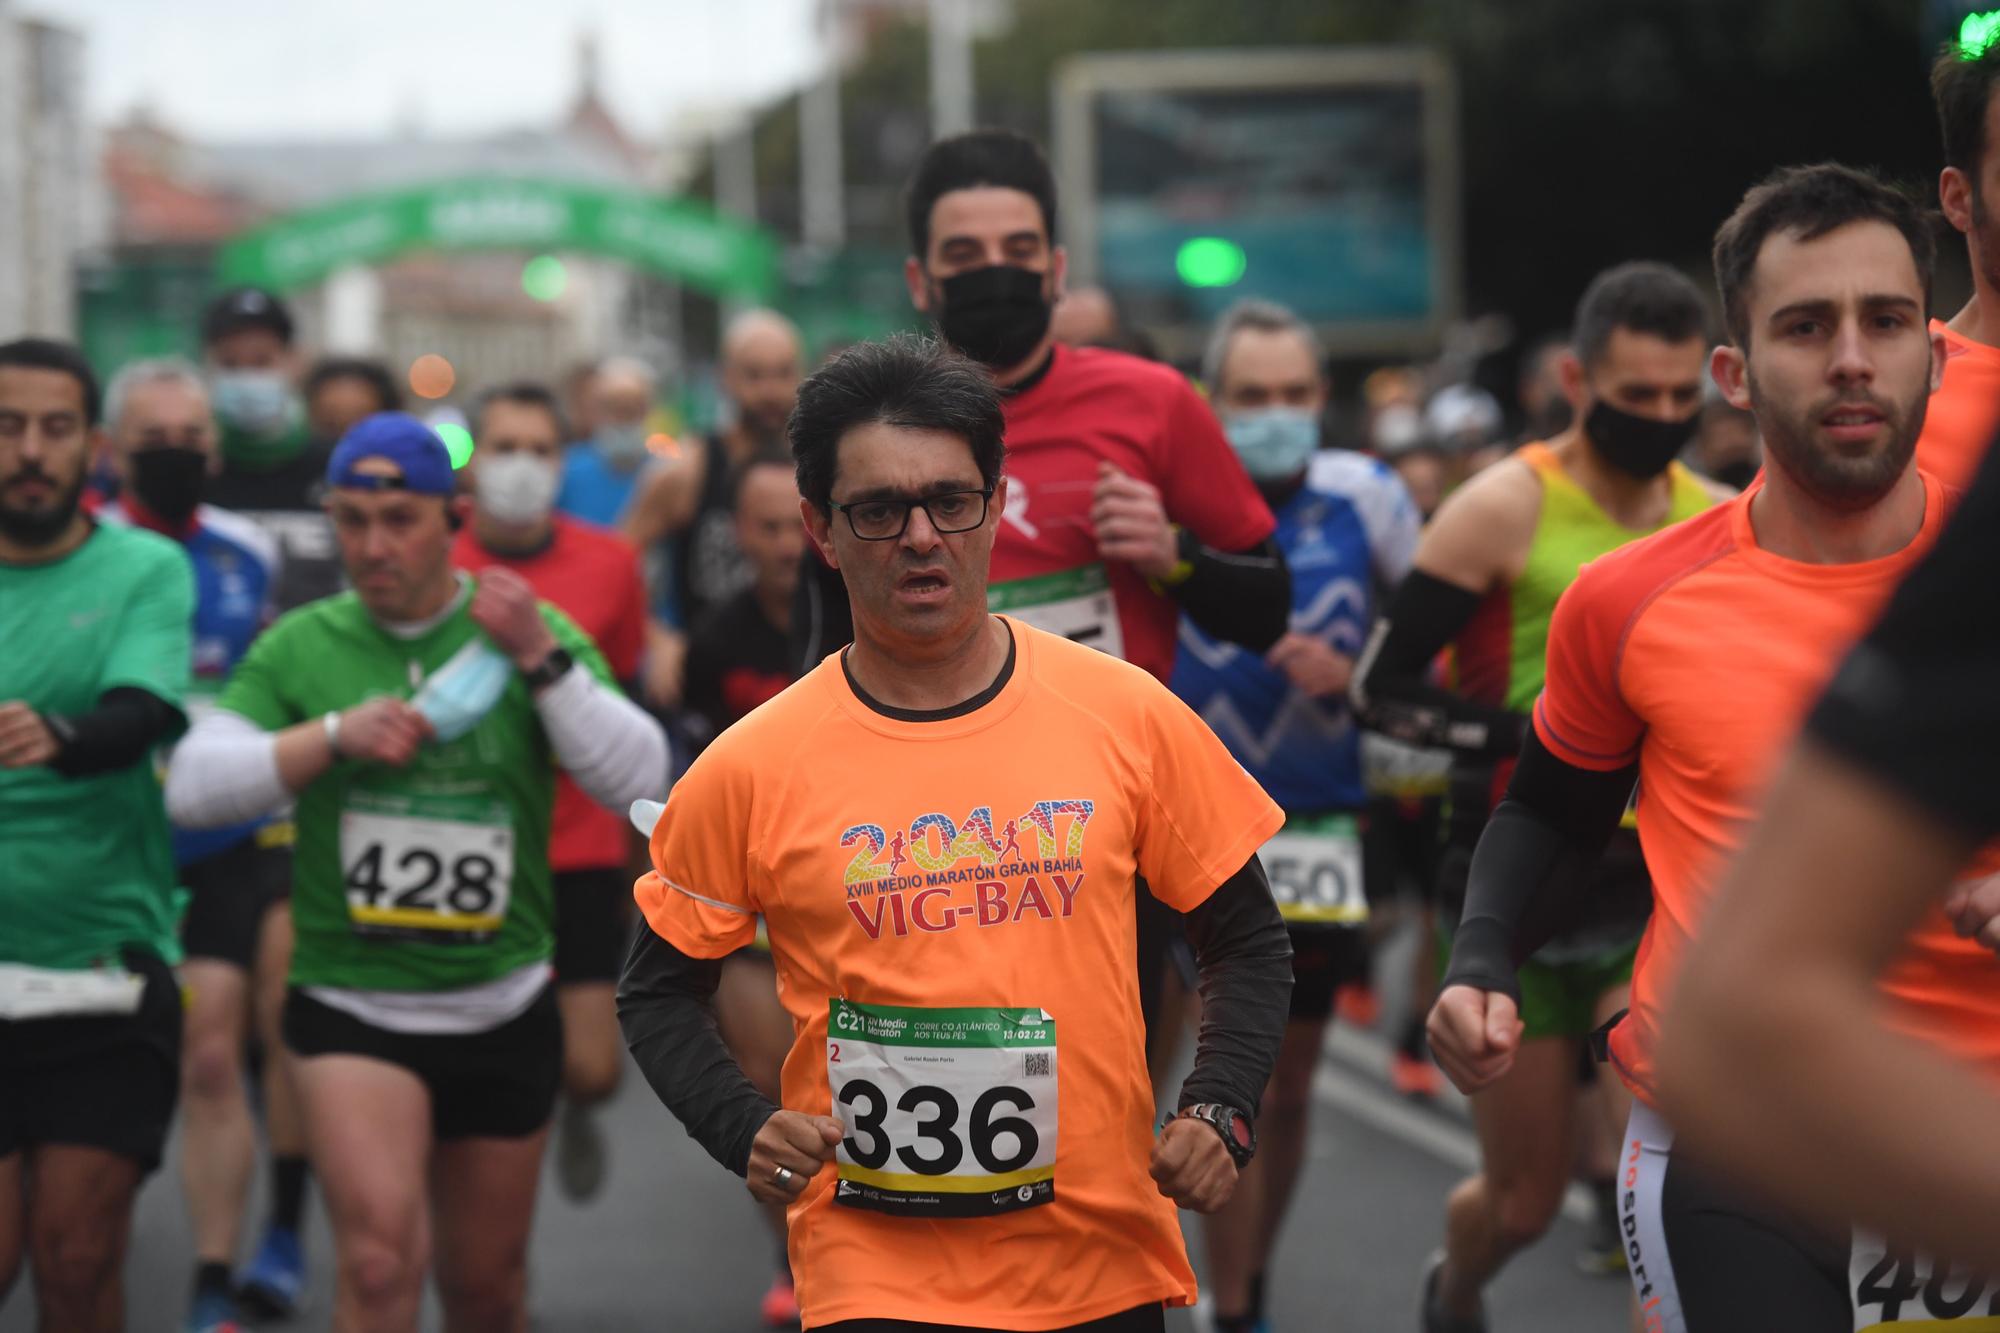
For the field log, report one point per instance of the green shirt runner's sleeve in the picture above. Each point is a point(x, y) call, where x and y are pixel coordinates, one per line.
point(255, 690)
point(580, 645)
point(154, 648)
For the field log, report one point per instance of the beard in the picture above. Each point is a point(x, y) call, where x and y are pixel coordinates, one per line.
point(1838, 480)
point(39, 527)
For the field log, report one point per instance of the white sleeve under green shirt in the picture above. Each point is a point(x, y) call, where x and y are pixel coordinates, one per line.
point(430, 877)
point(86, 863)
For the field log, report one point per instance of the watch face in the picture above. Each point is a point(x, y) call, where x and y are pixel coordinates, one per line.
point(1239, 1130)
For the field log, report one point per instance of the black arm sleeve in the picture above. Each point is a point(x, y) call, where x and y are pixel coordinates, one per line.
point(1242, 597)
point(822, 622)
point(666, 1006)
point(1245, 960)
point(1533, 865)
point(124, 727)
point(1391, 695)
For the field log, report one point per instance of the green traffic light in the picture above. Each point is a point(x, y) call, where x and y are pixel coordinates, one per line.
point(1210, 261)
point(1977, 33)
point(457, 442)
point(544, 277)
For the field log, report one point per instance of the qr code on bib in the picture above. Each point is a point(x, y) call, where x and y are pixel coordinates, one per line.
point(1037, 1064)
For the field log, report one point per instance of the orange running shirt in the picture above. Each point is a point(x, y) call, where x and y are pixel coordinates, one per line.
point(1963, 413)
point(982, 860)
point(1700, 653)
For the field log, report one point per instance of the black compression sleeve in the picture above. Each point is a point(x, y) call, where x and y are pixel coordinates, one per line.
point(1241, 597)
point(1391, 694)
point(822, 622)
point(1533, 865)
point(124, 727)
point(1245, 960)
point(666, 1006)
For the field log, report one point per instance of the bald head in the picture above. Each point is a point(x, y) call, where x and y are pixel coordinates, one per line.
point(621, 392)
point(760, 373)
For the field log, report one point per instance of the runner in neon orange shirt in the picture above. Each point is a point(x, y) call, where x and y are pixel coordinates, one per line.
point(1688, 659)
point(1966, 408)
point(967, 1138)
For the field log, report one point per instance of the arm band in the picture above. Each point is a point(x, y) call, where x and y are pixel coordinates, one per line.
point(1391, 694)
point(1244, 955)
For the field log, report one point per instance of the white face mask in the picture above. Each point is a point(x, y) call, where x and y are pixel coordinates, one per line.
point(517, 488)
point(622, 445)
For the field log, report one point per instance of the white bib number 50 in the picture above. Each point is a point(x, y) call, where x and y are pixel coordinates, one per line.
point(948, 1112)
point(1314, 865)
point(1894, 1289)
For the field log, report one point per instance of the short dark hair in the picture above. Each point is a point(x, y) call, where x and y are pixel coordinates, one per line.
point(527, 393)
point(966, 161)
point(907, 381)
point(742, 473)
point(48, 354)
point(388, 398)
point(1961, 89)
point(246, 308)
point(1643, 297)
point(1809, 202)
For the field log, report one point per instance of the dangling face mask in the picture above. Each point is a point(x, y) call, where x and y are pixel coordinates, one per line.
point(994, 315)
point(1275, 443)
point(257, 401)
point(517, 487)
point(458, 694)
point(1638, 446)
point(168, 480)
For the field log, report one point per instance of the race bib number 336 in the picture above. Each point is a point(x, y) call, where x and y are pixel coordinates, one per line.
point(948, 1112)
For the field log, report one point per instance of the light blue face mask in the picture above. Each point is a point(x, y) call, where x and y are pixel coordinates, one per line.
point(1275, 443)
point(258, 401)
point(462, 691)
point(622, 446)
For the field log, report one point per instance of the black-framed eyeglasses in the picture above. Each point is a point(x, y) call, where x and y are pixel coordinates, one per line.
point(886, 520)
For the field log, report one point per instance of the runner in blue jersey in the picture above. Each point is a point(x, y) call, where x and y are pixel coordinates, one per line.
point(1347, 529)
point(237, 926)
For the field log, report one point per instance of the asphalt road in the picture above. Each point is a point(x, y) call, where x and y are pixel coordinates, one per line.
point(673, 1242)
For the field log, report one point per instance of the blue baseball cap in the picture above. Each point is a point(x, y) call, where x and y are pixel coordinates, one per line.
point(417, 450)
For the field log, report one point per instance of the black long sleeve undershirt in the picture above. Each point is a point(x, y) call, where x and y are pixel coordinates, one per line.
point(1243, 954)
point(124, 727)
point(1533, 866)
point(1391, 693)
point(1241, 597)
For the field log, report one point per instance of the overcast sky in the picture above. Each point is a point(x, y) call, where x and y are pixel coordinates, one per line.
point(260, 69)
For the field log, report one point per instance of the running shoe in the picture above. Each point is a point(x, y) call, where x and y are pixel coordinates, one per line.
point(1356, 1005)
point(214, 1312)
point(273, 1286)
point(781, 1306)
point(581, 1155)
point(1415, 1076)
point(1603, 1255)
point(1431, 1317)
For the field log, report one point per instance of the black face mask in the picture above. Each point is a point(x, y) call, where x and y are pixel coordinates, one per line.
point(169, 479)
point(994, 315)
point(1640, 446)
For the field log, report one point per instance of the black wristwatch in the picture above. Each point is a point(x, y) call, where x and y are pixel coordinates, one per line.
point(1239, 1136)
point(550, 670)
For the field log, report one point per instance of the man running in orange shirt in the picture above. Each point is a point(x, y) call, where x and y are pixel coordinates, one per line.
point(1687, 660)
point(967, 1140)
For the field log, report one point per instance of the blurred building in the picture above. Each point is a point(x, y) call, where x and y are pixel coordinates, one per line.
point(48, 209)
point(175, 200)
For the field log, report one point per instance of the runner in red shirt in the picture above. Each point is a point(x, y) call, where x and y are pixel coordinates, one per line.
point(594, 577)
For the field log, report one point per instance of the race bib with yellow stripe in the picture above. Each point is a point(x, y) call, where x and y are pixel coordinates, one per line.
point(433, 868)
point(948, 1112)
point(1896, 1289)
point(1314, 865)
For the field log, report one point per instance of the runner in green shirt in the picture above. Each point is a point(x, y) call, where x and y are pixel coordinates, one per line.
point(98, 622)
point(419, 721)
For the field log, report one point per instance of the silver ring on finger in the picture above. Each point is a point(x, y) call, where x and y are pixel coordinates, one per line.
point(782, 1176)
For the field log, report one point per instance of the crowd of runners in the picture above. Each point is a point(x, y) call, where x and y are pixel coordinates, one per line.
point(910, 774)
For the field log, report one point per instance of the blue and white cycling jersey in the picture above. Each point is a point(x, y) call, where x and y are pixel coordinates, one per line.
point(1349, 535)
point(236, 573)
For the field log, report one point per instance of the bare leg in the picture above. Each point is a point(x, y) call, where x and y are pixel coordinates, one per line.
point(13, 1220)
point(218, 1139)
point(283, 1122)
point(485, 1198)
point(593, 1049)
point(1524, 1142)
point(79, 1217)
point(369, 1126)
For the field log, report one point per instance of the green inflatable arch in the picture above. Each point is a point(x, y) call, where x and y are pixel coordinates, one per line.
point(681, 239)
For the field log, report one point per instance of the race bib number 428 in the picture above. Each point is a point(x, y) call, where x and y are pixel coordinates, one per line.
point(948, 1112)
point(426, 878)
point(1895, 1289)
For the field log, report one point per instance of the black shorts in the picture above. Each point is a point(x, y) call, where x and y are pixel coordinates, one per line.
point(500, 1084)
point(1324, 958)
point(105, 1081)
point(593, 924)
point(1141, 1319)
point(1401, 841)
point(229, 894)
